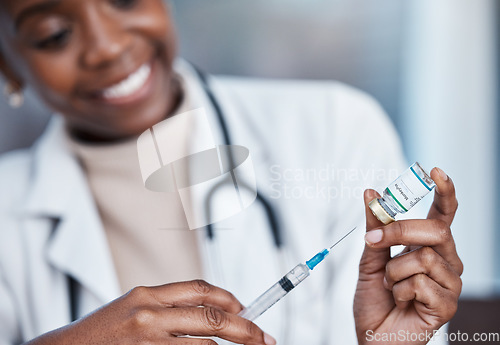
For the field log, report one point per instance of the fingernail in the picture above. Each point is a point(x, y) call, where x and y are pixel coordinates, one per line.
point(374, 236)
point(385, 283)
point(442, 174)
point(269, 340)
point(373, 193)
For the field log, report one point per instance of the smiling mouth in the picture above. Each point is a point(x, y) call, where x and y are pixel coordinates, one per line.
point(129, 86)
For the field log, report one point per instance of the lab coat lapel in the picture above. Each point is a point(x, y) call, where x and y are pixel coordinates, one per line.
point(78, 246)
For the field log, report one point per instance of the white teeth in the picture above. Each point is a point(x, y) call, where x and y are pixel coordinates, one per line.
point(130, 85)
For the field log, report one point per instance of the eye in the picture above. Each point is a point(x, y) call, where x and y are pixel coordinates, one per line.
point(54, 41)
point(124, 4)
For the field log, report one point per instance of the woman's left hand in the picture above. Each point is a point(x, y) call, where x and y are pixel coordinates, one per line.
point(405, 299)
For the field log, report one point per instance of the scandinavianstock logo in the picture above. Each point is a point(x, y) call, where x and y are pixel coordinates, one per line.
point(214, 182)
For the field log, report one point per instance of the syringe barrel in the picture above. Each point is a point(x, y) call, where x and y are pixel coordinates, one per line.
point(275, 292)
point(263, 302)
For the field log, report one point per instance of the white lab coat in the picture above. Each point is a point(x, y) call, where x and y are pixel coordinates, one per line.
point(49, 225)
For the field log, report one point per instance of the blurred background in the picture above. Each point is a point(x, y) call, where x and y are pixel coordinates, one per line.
point(432, 64)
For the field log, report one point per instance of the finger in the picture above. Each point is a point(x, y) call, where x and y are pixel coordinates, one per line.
point(195, 293)
point(420, 232)
point(435, 304)
point(445, 202)
point(423, 261)
point(373, 259)
point(371, 221)
point(191, 341)
point(209, 321)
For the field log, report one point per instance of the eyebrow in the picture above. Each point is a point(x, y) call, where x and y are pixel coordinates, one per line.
point(35, 9)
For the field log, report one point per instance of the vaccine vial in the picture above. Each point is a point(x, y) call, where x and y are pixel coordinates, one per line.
point(402, 194)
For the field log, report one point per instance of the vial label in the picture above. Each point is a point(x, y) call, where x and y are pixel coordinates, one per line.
point(408, 189)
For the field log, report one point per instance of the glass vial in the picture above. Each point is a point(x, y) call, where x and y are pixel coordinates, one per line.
point(402, 194)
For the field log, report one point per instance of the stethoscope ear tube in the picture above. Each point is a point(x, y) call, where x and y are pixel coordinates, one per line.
point(73, 297)
point(270, 212)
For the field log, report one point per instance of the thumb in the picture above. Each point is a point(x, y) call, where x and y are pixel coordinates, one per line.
point(371, 221)
point(373, 259)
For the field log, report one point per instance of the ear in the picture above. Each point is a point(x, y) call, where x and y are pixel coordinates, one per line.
point(8, 73)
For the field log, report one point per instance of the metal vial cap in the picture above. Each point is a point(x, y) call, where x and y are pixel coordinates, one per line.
point(379, 212)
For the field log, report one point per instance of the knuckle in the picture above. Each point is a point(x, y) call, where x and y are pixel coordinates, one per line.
point(460, 267)
point(459, 285)
point(402, 232)
point(399, 298)
point(397, 293)
point(427, 257)
point(142, 317)
point(450, 206)
point(390, 271)
point(215, 319)
point(139, 292)
point(443, 231)
point(419, 282)
point(201, 287)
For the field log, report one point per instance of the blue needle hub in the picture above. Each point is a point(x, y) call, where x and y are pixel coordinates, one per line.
point(316, 259)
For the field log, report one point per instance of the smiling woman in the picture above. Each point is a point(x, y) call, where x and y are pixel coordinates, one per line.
point(105, 65)
point(80, 236)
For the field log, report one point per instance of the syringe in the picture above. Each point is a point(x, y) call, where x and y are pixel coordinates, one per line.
point(286, 284)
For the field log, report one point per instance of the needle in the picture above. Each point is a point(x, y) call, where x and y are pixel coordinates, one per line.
point(279, 290)
point(342, 238)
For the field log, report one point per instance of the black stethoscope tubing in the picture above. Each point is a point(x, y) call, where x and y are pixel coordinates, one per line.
point(271, 215)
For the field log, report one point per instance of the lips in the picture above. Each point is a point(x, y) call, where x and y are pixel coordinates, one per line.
point(132, 88)
point(133, 83)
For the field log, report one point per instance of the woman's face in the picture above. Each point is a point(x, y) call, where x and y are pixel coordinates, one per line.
point(106, 65)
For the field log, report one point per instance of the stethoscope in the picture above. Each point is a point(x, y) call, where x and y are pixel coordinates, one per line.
point(271, 214)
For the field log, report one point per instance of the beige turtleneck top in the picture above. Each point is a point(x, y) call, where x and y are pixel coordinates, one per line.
point(147, 232)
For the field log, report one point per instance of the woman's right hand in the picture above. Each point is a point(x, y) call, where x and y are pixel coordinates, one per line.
point(160, 315)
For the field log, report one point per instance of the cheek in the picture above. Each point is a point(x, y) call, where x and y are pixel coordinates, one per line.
point(53, 76)
point(156, 24)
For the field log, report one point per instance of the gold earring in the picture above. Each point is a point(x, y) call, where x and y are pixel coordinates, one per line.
point(14, 95)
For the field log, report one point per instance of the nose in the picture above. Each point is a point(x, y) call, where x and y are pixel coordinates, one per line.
point(105, 39)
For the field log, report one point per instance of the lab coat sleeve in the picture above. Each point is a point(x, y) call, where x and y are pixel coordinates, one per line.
point(9, 328)
point(13, 182)
point(440, 337)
